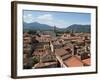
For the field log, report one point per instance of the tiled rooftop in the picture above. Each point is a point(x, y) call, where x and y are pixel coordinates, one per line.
point(73, 62)
point(87, 61)
point(60, 51)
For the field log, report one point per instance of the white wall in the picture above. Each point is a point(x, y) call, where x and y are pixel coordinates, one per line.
point(5, 40)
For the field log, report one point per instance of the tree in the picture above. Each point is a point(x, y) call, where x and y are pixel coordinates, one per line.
point(35, 60)
point(67, 31)
point(32, 32)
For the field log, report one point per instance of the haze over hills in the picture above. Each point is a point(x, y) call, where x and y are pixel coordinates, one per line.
point(39, 26)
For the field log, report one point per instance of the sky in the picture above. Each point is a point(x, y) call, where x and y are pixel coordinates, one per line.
point(58, 19)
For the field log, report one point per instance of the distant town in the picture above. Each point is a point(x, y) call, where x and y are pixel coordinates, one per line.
point(54, 49)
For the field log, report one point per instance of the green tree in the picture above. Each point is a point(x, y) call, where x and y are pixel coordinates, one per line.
point(32, 32)
point(35, 60)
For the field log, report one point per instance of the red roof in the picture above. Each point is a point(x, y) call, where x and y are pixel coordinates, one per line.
point(60, 51)
point(87, 61)
point(73, 62)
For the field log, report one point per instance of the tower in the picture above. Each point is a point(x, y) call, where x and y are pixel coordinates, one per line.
point(55, 30)
point(52, 47)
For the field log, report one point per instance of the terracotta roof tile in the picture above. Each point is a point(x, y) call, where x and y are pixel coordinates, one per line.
point(87, 61)
point(60, 51)
point(73, 62)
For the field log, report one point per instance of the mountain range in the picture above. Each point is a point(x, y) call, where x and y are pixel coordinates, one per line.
point(79, 28)
point(37, 26)
point(73, 27)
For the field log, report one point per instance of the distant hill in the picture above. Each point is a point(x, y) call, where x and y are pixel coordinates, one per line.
point(79, 28)
point(39, 26)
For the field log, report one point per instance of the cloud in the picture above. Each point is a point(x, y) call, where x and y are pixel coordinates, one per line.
point(28, 18)
point(45, 19)
point(60, 23)
point(50, 20)
point(29, 15)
